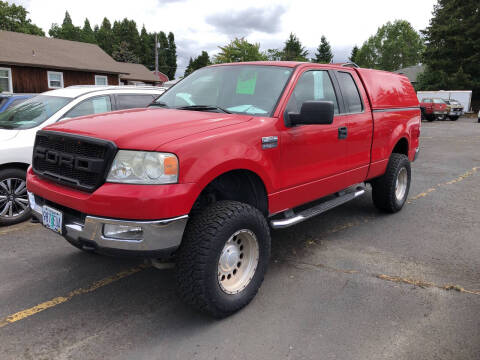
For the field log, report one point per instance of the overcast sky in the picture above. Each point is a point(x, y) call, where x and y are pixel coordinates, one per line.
point(204, 25)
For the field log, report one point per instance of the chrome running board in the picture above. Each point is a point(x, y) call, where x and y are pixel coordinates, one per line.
point(341, 198)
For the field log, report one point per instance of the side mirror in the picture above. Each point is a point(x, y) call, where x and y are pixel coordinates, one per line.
point(313, 112)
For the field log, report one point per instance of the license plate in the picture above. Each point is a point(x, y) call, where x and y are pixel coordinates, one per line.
point(52, 219)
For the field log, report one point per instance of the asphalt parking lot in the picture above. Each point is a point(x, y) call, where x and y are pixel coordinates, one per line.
point(350, 284)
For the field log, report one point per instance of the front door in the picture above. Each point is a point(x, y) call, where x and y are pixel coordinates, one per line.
point(313, 156)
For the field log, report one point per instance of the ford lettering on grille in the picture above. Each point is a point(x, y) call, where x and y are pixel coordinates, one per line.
point(72, 160)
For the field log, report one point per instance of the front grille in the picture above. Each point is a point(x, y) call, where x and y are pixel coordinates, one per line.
point(76, 161)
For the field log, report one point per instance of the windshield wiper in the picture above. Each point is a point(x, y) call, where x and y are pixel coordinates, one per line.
point(158, 103)
point(203, 108)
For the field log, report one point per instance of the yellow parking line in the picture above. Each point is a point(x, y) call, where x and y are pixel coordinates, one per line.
point(61, 299)
point(462, 177)
point(122, 274)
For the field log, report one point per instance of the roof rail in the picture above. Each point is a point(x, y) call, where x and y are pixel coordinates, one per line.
point(104, 87)
point(350, 64)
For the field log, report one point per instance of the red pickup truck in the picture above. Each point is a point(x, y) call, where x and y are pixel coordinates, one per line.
point(229, 152)
point(434, 109)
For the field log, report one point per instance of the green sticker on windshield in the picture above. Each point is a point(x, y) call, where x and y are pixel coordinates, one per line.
point(246, 83)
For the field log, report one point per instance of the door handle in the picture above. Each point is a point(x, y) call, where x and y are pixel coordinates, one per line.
point(342, 132)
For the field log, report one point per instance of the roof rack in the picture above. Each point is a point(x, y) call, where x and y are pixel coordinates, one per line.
point(350, 64)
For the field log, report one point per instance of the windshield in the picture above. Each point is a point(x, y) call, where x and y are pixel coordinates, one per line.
point(32, 112)
point(438, 101)
point(241, 89)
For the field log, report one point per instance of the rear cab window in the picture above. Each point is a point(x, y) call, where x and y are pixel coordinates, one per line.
point(351, 96)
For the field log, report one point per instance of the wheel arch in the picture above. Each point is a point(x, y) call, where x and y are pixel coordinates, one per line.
point(239, 184)
point(16, 165)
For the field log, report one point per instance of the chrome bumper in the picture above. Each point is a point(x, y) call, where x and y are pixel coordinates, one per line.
point(158, 235)
point(417, 151)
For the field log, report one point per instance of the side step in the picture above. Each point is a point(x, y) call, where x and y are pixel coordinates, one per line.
point(342, 197)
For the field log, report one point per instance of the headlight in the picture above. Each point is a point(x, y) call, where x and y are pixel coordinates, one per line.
point(141, 167)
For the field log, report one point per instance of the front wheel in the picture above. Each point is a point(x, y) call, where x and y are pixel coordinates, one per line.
point(223, 258)
point(14, 207)
point(453, 118)
point(390, 191)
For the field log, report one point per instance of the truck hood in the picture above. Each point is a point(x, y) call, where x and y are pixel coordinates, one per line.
point(146, 129)
point(6, 135)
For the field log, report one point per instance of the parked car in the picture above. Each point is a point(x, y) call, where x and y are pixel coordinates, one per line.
point(18, 126)
point(434, 109)
point(9, 100)
point(454, 109)
point(224, 155)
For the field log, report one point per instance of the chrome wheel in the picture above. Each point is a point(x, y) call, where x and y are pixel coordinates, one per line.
point(401, 184)
point(238, 262)
point(13, 198)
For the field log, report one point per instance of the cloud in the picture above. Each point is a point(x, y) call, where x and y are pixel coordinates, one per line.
point(244, 22)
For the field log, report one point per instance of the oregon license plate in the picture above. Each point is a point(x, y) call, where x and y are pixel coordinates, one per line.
point(52, 219)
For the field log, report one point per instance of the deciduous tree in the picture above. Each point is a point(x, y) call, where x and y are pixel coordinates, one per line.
point(239, 50)
point(14, 18)
point(395, 45)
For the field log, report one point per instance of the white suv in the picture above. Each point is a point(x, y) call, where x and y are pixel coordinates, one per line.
point(19, 124)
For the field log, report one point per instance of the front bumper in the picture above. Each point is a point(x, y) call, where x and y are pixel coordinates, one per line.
point(160, 238)
point(417, 151)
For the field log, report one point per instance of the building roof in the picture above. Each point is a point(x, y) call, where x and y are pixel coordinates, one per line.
point(40, 51)
point(411, 72)
point(139, 72)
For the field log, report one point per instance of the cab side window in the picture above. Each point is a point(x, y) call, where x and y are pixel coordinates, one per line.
point(313, 85)
point(95, 105)
point(130, 101)
point(350, 93)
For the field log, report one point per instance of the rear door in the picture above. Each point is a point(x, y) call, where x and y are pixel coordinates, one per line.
point(359, 123)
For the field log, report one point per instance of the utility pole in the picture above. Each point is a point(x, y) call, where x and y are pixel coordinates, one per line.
point(156, 56)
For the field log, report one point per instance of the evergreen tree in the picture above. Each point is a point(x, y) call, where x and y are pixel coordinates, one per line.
point(14, 18)
point(171, 59)
point(354, 54)
point(147, 45)
point(123, 53)
point(324, 52)
point(163, 53)
point(104, 36)
point(239, 50)
point(87, 33)
point(67, 30)
point(452, 53)
point(395, 45)
point(293, 50)
point(126, 31)
point(200, 61)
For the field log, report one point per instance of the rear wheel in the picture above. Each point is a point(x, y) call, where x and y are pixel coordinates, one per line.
point(223, 258)
point(390, 191)
point(14, 207)
point(453, 118)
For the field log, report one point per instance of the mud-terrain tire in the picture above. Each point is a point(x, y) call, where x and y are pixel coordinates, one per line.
point(14, 207)
point(390, 191)
point(223, 234)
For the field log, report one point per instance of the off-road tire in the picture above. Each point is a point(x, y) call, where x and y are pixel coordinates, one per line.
point(14, 173)
point(199, 254)
point(383, 188)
